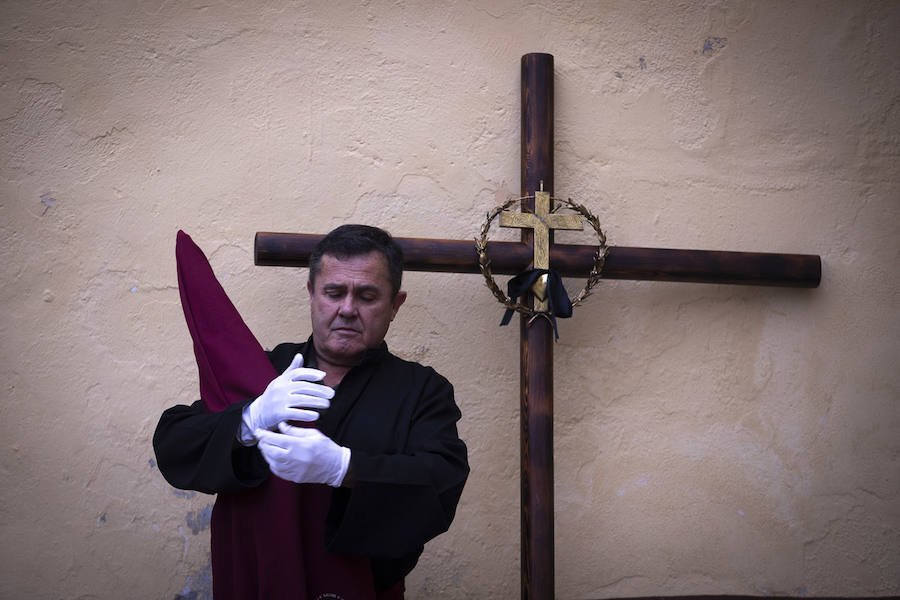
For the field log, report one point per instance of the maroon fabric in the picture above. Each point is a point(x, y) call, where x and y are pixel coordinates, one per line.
point(267, 542)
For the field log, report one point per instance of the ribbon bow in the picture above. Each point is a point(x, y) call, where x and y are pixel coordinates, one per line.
point(557, 300)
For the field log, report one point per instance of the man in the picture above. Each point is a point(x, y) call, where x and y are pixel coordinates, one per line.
point(385, 433)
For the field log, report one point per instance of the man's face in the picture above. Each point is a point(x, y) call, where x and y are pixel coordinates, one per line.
point(351, 306)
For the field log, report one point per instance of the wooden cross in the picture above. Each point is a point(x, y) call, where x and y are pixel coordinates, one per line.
point(536, 354)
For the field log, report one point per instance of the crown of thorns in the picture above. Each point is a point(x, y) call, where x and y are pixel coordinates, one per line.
point(485, 264)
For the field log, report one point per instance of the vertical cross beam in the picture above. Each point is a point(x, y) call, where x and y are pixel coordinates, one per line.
point(536, 346)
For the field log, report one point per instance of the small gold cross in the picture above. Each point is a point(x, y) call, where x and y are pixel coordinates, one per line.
point(541, 221)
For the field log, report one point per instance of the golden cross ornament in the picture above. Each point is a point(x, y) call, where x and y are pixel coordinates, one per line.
point(542, 221)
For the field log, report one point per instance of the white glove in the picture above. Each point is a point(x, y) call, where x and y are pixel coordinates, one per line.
point(304, 455)
point(284, 399)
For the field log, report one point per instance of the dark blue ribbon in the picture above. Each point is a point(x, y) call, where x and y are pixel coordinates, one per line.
point(557, 300)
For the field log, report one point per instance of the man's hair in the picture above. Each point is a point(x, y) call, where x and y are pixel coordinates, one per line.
point(348, 241)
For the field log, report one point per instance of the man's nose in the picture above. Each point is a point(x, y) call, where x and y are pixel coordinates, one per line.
point(348, 306)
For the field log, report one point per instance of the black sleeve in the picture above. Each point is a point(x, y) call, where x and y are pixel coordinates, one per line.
point(197, 450)
point(400, 501)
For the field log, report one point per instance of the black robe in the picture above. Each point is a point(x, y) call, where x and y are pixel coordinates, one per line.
point(408, 463)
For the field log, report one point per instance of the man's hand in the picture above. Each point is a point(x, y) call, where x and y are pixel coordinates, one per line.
point(304, 455)
point(284, 400)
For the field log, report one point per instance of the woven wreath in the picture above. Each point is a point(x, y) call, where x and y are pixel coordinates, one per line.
point(485, 264)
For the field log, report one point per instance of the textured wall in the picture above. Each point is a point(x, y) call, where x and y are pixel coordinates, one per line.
point(709, 439)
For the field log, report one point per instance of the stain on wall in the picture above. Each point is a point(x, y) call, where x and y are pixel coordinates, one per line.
point(198, 586)
point(199, 520)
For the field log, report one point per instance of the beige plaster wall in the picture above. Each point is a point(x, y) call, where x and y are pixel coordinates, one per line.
point(709, 439)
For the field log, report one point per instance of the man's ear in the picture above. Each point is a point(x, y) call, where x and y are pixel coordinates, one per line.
point(399, 299)
point(309, 287)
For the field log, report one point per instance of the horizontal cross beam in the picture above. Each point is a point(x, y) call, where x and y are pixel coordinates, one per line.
point(569, 260)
